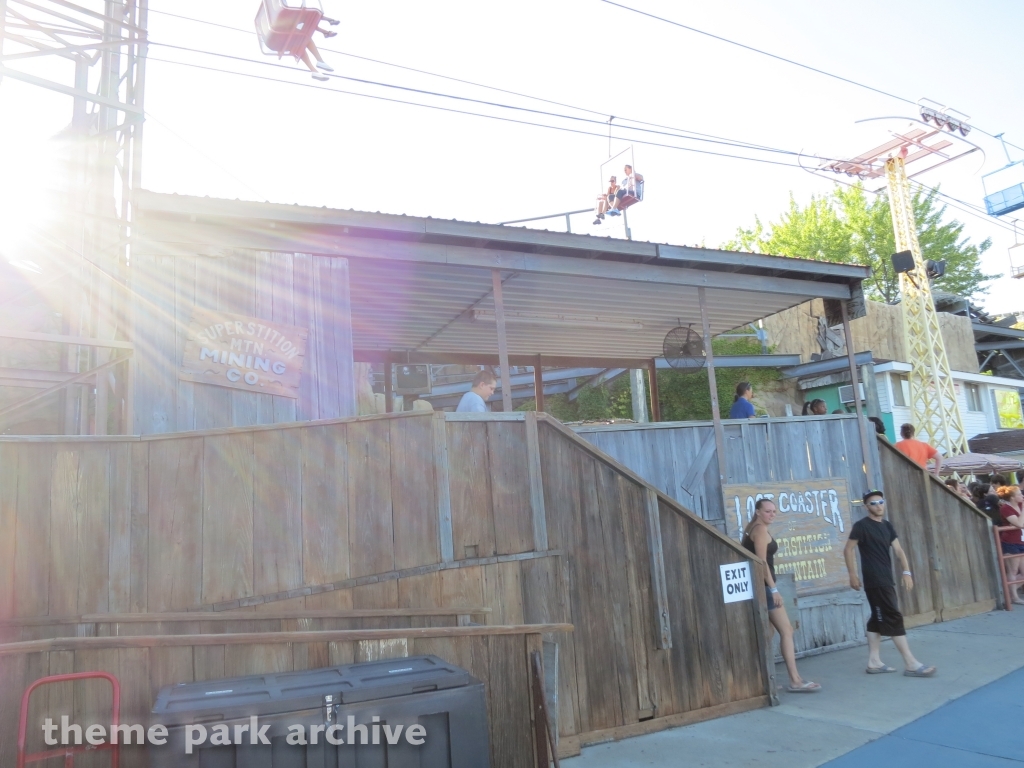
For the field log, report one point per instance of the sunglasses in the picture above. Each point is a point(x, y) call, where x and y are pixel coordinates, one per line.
point(875, 503)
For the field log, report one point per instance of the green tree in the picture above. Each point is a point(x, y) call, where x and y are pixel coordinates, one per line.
point(849, 226)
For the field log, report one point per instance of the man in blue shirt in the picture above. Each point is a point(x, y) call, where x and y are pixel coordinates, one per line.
point(475, 401)
point(742, 408)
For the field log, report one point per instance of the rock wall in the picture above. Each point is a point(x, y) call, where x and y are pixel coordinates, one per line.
point(797, 331)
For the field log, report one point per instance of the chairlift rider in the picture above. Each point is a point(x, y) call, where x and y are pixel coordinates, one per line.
point(605, 201)
point(283, 28)
point(630, 191)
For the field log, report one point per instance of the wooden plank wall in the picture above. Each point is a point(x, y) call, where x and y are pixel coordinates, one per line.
point(679, 459)
point(143, 665)
point(512, 512)
point(295, 289)
point(948, 542)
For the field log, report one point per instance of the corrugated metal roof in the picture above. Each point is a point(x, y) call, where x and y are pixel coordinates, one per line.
point(415, 282)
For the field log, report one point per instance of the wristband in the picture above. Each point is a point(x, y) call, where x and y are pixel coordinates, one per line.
point(907, 573)
point(773, 590)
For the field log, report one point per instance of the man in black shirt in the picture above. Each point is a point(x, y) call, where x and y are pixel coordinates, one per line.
point(873, 536)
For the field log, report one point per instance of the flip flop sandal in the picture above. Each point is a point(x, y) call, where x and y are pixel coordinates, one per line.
point(880, 670)
point(921, 671)
point(807, 687)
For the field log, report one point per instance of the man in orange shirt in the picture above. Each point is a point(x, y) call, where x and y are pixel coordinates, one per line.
point(916, 450)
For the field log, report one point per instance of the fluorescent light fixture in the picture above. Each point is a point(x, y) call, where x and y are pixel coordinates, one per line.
point(567, 321)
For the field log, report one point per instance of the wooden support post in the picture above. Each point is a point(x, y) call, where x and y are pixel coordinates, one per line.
point(499, 317)
point(934, 559)
point(101, 404)
point(861, 421)
point(444, 494)
point(533, 465)
point(389, 396)
point(761, 629)
point(129, 398)
point(659, 584)
point(716, 415)
point(538, 385)
point(652, 374)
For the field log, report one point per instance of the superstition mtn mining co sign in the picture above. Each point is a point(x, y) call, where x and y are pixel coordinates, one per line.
point(245, 353)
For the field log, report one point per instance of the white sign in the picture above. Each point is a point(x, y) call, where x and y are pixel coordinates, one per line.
point(736, 583)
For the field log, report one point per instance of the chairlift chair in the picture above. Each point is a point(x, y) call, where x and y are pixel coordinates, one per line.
point(1004, 189)
point(286, 28)
point(628, 200)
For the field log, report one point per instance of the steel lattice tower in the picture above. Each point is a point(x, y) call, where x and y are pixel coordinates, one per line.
point(934, 140)
point(932, 394)
point(103, 44)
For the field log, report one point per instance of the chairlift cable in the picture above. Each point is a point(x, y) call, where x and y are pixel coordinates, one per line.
point(735, 142)
point(499, 105)
point(467, 112)
point(585, 109)
point(776, 56)
point(645, 142)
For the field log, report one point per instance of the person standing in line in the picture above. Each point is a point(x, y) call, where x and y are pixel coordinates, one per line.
point(815, 407)
point(879, 426)
point(758, 540)
point(873, 536)
point(742, 408)
point(1011, 512)
point(916, 450)
point(475, 401)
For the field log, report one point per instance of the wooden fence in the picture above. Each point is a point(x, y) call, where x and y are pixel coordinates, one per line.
point(679, 459)
point(948, 541)
point(513, 512)
point(499, 656)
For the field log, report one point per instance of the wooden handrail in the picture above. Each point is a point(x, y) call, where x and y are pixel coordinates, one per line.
point(271, 638)
point(152, 618)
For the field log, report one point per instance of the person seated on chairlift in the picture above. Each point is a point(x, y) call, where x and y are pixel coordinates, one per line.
point(627, 187)
point(605, 201)
point(312, 49)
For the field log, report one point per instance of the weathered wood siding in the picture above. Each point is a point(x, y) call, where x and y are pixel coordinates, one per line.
point(144, 664)
point(297, 289)
point(679, 459)
point(512, 512)
point(948, 541)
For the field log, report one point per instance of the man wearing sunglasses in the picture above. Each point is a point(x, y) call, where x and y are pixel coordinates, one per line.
point(873, 536)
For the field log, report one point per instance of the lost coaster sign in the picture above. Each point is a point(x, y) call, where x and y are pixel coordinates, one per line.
point(736, 583)
point(244, 353)
point(810, 528)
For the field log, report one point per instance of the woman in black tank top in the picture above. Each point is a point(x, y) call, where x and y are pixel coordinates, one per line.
point(757, 539)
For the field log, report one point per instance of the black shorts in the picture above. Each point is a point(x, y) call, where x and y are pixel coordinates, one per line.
point(1012, 549)
point(886, 618)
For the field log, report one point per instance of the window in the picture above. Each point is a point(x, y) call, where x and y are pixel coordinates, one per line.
point(973, 394)
point(900, 390)
point(1008, 409)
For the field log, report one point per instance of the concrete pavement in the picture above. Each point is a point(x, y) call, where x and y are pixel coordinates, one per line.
point(855, 709)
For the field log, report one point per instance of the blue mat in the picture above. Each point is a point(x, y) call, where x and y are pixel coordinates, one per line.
point(984, 729)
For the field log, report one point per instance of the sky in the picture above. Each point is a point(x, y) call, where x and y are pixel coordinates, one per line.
point(300, 141)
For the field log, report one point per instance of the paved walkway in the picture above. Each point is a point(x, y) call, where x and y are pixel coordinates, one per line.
point(970, 714)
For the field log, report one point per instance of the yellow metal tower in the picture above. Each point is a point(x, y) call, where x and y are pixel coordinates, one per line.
point(931, 386)
point(932, 394)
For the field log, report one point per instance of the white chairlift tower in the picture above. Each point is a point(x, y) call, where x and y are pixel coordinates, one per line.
point(933, 139)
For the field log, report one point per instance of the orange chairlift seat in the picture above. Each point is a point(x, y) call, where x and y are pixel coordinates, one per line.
point(286, 28)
